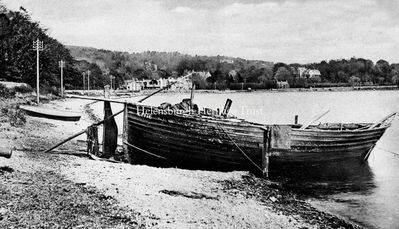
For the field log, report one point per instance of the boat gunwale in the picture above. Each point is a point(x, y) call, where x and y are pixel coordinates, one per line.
point(242, 122)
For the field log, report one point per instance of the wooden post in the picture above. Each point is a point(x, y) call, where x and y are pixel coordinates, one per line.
point(110, 132)
point(92, 140)
point(227, 106)
point(192, 96)
point(296, 120)
point(265, 153)
point(126, 135)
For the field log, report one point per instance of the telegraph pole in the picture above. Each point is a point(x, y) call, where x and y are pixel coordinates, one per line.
point(88, 80)
point(110, 78)
point(38, 45)
point(62, 65)
point(84, 82)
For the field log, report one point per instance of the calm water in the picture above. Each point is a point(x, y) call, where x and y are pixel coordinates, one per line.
point(366, 193)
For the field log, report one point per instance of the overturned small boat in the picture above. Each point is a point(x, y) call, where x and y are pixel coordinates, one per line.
point(204, 140)
point(51, 113)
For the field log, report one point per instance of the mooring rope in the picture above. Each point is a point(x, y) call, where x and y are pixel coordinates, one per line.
point(238, 147)
point(145, 151)
point(388, 151)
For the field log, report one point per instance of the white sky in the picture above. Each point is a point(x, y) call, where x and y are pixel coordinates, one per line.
point(289, 31)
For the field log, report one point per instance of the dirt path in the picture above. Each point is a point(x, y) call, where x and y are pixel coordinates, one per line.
point(73, 191)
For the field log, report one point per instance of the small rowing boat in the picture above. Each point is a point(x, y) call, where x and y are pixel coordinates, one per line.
point(51, 113)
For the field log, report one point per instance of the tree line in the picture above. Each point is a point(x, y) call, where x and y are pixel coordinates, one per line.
point(18, 58)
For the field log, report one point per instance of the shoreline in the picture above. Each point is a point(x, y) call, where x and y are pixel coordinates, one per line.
point(120, 94)
point(142, 195)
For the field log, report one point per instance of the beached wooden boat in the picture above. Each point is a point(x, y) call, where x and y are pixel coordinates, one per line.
point(217, 143)
point(51, 113)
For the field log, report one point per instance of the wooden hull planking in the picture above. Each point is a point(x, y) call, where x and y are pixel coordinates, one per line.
point(196, 142)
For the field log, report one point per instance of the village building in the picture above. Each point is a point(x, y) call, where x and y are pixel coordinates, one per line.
point(282, 84)
point(312, 74)
point(132, 85)
point(180, 84)
point(301, 72)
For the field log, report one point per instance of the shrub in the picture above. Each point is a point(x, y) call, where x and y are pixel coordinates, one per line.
point(14, 116)
point(23, 89)
point(5, 92)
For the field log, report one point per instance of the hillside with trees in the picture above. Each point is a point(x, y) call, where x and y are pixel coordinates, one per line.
point(236, 73)
point(224, 71)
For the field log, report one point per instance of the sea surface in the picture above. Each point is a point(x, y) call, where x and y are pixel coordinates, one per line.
point(365, 193)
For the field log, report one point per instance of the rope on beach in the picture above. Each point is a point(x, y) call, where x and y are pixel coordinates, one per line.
point(145, 151)
point(388, 151)
point(238, 147)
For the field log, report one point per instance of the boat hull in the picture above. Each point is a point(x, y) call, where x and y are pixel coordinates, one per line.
point(192, 143)
point(51, 114)
point(218, 144)
point(325, 145)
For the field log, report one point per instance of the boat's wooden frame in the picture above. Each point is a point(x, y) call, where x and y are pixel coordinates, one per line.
point(152, 135)
point(216, 143)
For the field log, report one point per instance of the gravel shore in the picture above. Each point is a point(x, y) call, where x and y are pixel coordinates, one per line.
point(66, 189)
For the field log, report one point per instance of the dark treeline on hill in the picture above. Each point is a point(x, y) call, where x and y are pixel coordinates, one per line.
point(235, 73)
point(223, 71)
point(358, 70)
point(18, 63)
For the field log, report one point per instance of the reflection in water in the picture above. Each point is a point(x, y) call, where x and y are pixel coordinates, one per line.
point(325, 178)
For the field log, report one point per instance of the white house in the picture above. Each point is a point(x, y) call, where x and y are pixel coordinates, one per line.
point(283, 84)
point(308, 73)
point(132, 85)
point(301, 72)
point(314, 73)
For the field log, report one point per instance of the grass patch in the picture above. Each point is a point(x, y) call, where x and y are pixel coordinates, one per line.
point(46, 200)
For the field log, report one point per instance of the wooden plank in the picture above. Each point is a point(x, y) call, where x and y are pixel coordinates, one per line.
point(265, 153)
point(95, 99)
point(184, 124)
point(219, 147)
point(110, 132)
point(337, 138)
point(194, 155)
point(198, 134)
point(314, 120)
point(335, 143)
point(126, 150)
point(132, 108)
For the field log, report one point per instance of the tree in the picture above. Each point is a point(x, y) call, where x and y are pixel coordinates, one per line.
point(283, 74)
point(384, 70)
point(342, 76)
point(18, 60)
point(354, 80)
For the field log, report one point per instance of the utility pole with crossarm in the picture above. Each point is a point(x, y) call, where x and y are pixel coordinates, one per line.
point(88, 80)
point(38, 46)
point(61, 63)
point(84, 82)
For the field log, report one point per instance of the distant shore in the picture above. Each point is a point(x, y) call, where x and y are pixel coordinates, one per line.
point(125, 93)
